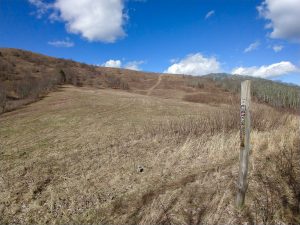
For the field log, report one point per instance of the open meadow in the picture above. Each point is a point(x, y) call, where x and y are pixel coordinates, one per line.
point(102, 156)
point(144, 112)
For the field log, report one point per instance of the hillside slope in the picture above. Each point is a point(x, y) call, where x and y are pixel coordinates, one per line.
point(88, 153)
point(102, 156)
point(26, 77)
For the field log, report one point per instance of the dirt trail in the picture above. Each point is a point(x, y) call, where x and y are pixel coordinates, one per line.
point(149, 92)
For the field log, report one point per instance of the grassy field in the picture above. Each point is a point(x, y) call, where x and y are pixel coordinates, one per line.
point(84, 155)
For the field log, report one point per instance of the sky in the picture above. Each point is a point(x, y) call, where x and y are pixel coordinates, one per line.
point(248, 37)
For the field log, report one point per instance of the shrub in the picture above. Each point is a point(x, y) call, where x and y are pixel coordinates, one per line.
point(6, 68)
point(214, 99)
point(74, 81)
point(264, 118)
point(124, 85)
point(2, 98)
point(218, 120)
point(113, 82)
point(195, 83)
point(23, 88)
point(208, 123)
point(116, 82)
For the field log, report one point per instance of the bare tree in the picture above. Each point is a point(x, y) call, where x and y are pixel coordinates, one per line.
point(116, 82)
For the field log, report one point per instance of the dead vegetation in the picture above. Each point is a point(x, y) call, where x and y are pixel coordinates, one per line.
point(94, 155)
point(2, 98)
point(213, 98)
point(116, 82)
point(75, 157)
point(28, 77)
point(219, 120)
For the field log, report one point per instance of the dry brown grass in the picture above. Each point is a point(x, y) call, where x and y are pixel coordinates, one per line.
point(26, 76)
point(73, 158)
point(213, 98)
point(211, 122)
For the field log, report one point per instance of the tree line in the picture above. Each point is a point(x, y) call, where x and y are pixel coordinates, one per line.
point(276, 94)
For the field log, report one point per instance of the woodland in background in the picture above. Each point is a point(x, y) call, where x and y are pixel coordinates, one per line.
point(277, 94)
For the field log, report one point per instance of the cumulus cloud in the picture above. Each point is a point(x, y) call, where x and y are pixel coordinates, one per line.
point(283, 18)
point(113, 63)
point(253, 46)
point(267, 71)
point(94, 20)
point(277, 48)
point(195, 64)
point(67, 43)
point(210, 14)
point(134, 65)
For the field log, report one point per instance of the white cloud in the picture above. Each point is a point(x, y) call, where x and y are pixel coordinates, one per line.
point(95, 20)
point(277, 48)
point(113, 63)
point(134, 65)
point(210, 14)
point(267, 71)
point(62, 44)
point(195, 64)
point(283, 18)
point(253, 46)
point(42, 7)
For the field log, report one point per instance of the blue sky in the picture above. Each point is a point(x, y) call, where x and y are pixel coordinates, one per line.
point(254, 37)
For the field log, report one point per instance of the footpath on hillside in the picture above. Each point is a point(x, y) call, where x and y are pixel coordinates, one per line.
point(149, 92)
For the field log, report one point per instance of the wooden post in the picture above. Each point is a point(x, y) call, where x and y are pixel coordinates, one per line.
point(245, 142)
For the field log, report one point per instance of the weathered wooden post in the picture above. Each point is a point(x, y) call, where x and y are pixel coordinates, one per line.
point(245, 142)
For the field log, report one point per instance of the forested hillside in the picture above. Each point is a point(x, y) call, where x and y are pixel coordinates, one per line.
point(265, 91)
point(26, 77)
